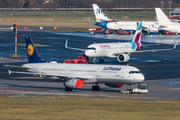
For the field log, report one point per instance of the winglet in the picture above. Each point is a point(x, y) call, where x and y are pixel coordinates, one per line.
point(66, 45)
point(175, 45)
point(137, 23)
point(9, 72)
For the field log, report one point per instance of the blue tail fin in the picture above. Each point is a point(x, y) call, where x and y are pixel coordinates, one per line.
point(32, 53)
point(100, 16)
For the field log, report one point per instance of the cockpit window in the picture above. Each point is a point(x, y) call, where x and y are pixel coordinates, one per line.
point(92, 48)
point(132, 72)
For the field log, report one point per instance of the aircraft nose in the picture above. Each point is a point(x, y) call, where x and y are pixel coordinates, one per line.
point(88, 53)
point(141, 78)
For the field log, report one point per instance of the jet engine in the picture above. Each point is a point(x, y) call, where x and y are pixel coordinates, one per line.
point(74, 83)
point(114, 85)
point(123, 57)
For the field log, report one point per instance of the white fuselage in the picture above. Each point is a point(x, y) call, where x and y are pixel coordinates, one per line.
point(89, 73)
point(109, 49)
point(173, 27)
point(131, 25)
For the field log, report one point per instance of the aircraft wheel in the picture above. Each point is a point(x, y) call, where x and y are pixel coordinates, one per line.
point(68, 89)
point(101, 60)
point(130, 90)
point(95, 87)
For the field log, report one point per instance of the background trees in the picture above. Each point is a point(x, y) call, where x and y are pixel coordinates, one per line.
point(86, 3)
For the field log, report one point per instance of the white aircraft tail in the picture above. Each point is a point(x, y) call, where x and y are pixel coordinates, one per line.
point(137, 36)
point(99, 15)
point(162, 18)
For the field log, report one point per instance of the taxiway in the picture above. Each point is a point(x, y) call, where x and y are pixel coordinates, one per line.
point(161, 69)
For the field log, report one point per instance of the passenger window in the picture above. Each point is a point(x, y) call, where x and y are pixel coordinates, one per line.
point(91, 48)
point(132, 72)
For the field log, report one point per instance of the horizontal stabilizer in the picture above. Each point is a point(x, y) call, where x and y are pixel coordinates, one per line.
point(17, 72)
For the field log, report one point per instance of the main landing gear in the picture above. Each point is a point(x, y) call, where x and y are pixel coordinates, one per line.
point(95, 88)
point(68, 89)
point(101, 60)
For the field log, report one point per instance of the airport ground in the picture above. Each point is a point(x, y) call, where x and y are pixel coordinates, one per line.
point(161, 70)
point(67, 19)
point(86, 108)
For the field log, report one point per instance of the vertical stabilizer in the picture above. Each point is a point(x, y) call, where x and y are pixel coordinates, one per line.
point(137, 36)
point(162, 18)
point(99, 15)
point(32, 53)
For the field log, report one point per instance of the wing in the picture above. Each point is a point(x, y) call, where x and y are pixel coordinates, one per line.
point(155, 50)
point(150, 45)
point(140, 51)
point(66, 46)
point(145, 28)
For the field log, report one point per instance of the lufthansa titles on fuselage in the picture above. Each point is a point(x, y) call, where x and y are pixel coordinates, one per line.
point(112, 68)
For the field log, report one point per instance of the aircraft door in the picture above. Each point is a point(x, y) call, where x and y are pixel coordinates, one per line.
point(122, 75)
point(97, 73)
point(67, 71)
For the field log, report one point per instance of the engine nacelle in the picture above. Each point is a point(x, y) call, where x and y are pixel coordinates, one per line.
point(74, 83)
point(123, 57)
point(114, 85)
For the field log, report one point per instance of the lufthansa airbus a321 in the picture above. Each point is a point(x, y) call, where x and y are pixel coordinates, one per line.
point(75, 75)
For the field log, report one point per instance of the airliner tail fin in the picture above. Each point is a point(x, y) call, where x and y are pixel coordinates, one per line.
point(162, 18)
point(137, 36)
point(32, 53)
point(99, 15)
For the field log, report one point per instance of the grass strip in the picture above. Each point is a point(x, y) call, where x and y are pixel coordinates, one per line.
point(85, 108)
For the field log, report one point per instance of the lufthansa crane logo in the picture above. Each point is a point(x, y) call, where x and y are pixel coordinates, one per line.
point(30, 49)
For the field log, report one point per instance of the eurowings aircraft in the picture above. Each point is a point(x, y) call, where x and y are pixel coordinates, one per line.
point(121, 51)
point(75, 75)
point(103, 21)
point(165, 23)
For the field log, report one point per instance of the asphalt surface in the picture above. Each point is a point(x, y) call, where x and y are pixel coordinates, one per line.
point(161, 69)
